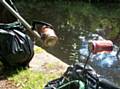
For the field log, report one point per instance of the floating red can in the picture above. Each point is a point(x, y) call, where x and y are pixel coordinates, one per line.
point(98, 46)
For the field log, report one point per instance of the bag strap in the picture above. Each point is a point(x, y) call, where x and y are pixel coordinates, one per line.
point(10, 26)
point(81, 84)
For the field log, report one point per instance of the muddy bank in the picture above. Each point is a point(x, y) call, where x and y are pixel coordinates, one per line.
point(46, 62)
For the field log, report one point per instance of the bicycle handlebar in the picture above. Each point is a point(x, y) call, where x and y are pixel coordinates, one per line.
point(104, 83)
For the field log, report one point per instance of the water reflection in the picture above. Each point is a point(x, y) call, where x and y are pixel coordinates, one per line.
point(106, 64)
point(73, 20)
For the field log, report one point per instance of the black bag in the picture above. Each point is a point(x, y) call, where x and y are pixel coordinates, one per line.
point(73, 78)
point(79, 77)
point(16, 48)
point(62, 83)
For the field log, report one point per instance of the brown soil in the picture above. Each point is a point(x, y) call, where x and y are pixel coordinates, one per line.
point(5, 83)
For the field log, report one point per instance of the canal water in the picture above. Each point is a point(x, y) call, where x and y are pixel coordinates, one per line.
point(73, 20)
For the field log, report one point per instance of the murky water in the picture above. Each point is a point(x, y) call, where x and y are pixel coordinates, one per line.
point(73, 20)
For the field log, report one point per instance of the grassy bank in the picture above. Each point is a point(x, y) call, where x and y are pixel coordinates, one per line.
point(25, 78)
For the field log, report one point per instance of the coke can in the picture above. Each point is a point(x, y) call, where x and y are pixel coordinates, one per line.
point(98, 46)
point(48, 36)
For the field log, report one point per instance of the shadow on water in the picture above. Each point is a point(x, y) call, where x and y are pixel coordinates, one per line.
point(72, 20)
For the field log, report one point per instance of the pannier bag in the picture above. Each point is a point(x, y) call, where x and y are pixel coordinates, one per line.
point(79, 77)
point(62, 83)
point(71, 79)
point(16, 48)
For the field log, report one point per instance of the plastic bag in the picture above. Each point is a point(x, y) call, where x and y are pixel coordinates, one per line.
point(16, 48)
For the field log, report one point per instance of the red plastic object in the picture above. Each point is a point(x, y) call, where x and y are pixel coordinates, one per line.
point(101, 46)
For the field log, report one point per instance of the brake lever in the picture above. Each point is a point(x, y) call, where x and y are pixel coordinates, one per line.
point(34, 23)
